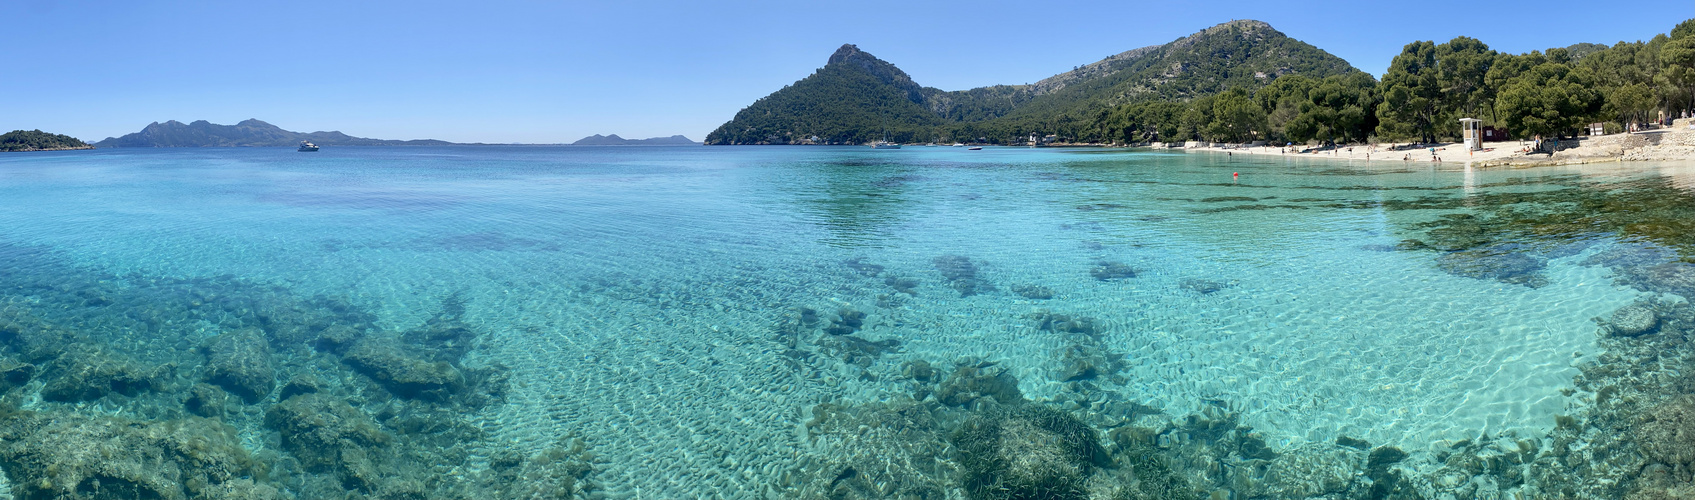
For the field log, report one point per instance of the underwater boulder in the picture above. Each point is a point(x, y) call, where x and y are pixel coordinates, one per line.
point(325, 433)
point(87, 372)
point(244, 489)
point(1063, 323)
point(34, 340)
point(1667, 436)
point(972, 382)
point(67, 455)
point(443, 337)
point(1670, 277)
point(904, 285)
point(919, 370)
point(1503, 264)
point(14, 374)
point(1201, 286)
point(1086, 361)
point(855, 350)
point(1633, 320)
point(1033, 292)
point(206, 400)
point(846, 321)
point(304, 383)
point(858, 264)
point(337, 338)
point(1456, 232)
point(898, 448)
point(1028, 451)
point(961, 274)
point(240, 362)
point(408, 375)
point(1110, 271)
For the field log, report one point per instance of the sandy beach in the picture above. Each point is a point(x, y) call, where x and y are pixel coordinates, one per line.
point(1674, 143)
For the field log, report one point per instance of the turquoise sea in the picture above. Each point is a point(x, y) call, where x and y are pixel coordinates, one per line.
point(816, 322)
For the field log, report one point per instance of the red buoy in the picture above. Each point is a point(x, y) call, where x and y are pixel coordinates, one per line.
point(1235, 174)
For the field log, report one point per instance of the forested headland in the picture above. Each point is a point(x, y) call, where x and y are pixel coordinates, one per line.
point(36, 140)
point(1243, 82)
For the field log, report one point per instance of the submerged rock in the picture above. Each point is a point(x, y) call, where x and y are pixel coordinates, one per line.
point(391, 364)
point(1087, 361)
point(907, 286)
point(858, 264)
point(1667, 436)
point(33, 340)
point(1633, 320)
point(1503, 264)
point(884, 449)
point(1200, 286)
point(919, 370)
point(65, 455)
point(846, 321)
point(87, 372)
point(240, 362)
point(1110, 270)
point(961, 274)
point(304, 383)
point(1028, 451)
point(969, 383)
point(206, 400)
point(444, 337)
point(1036, 292)
point(1671, 277)
point(855, 350)
point(327, 434)
point(14, 374)
point(1063, 323)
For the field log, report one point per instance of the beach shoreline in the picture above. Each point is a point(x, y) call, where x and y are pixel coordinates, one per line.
point(1669, 144)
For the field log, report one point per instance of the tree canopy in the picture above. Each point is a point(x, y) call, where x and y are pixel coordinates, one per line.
point(36, 140)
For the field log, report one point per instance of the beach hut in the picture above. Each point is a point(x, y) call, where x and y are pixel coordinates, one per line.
point(1472, 135)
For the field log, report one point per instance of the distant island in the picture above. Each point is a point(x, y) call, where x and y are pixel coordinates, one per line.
point(614, 140)
point(36, 140)
point(248, 133)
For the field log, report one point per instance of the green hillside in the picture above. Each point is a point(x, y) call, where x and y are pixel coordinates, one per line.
point(36, 140)
point(856, 96)
point(852, 99)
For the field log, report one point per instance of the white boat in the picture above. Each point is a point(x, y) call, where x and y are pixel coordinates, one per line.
point(307, 146)
point(885, 144)
point(974, 148)
point(959, 145)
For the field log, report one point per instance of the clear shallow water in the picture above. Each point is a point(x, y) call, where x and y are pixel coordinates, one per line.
point(635, 292)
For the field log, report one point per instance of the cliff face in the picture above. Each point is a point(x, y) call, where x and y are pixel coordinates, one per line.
point(247, 133)
point(856, 97)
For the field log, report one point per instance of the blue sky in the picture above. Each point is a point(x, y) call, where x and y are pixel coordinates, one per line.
point(548, 72)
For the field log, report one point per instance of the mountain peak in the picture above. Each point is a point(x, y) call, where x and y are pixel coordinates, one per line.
point(846, 52)
point(858, 98)
point(1246, 23)
point(254, 122)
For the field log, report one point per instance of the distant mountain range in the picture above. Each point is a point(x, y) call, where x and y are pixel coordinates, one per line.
point(856, 97)
point(248, 133)
point(614, 140)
